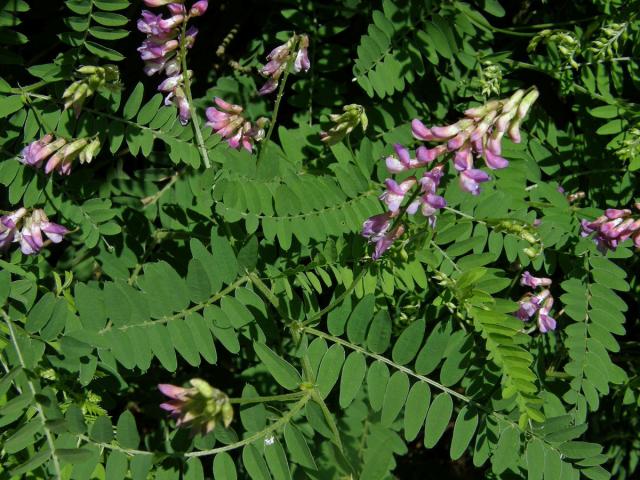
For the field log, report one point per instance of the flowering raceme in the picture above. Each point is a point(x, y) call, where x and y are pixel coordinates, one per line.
point(344, 123)
point(92, 79)
point(28, 230)
point(480, 133)
point(199, 407)
point(279, 59)
point(228, 122)
point(160, 50)
point(59, 154)
point(615, 226)
point(539, 303)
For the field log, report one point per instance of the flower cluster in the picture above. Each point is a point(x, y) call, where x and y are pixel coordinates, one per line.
point(344, 123)
point(478, 134)
point(160, 49)
point(199, 407)
point(59, 154)
point(615, 226)
point(92, 79)
point(378, 229)
point(279, 59)
point(28, 229)
point(539, 303)
point(228, 122)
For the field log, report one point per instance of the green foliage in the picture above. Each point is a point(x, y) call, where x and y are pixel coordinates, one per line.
point(253, 275)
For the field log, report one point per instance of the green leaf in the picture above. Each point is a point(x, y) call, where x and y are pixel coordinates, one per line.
point(353, 372)
point(254, 463)
point(74, 455)
point(223, 467)
point(34, 462)
point(133, 102)
point(298, 447)
point(535, 459)
point(416, 409)
point(437, 419)
point(194, 469)
point(408, 344)
point(377, 379)
point(359, 319)
point(277, 460)
point(394, 397)
point(379, 332)
point(463, 431)
point(127, 432)
point(577, 449)
point(101, 430)
point(24, 436)
point(283, 372)
point(330, 369)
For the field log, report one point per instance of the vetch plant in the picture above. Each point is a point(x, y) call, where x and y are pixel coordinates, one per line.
point(417, 259)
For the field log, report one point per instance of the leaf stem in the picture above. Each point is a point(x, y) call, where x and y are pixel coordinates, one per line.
point(32, 389)
point(187, 91)
point(274, 115)
point(272, 398)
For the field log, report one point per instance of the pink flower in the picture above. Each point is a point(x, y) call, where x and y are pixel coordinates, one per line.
point(545, 321)
point(279, 58)
point(376, 230)
point(30, 237)
point(534, 282)
point(471, 179)
point(395, 193)
point(199, 407)
point(199, 8)
point(228, 122)
point(9, 227)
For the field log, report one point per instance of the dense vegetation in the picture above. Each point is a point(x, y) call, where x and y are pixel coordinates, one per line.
point(327, 240)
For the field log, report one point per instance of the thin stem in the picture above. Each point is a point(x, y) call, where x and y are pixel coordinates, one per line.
point(272, 398)
point(339, 300)
point(187, 91)
point(444, 254)
point(183, 313)
point(150, 200)
point(285, 419)
point(32, 389)
point(274, 115)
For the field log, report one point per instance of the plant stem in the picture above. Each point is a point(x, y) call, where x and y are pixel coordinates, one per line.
point(340, 298)
point(256, 436)
point(273, 398)
point(274, 115)
point(187, 91)
point(32, 389)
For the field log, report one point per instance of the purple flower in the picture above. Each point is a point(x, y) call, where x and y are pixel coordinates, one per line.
point(420, 131)
point(527, 309)
point(38, 151)
point(199, 407)
point(494, 161)
point(534, 282)
point(395, 193)
point(376, 230)
point(402, 161)
point(545, 321)
point(31, 240)
point(160, 3)
point(199, 8)
point(302, 62)
point(228, 122)
point(279, 58)
point(9, 227)
point(471, 179)
point(429, 206)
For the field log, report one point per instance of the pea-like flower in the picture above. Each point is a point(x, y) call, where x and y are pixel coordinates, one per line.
point(376, 230)
point(228, 122)
point(160, 49)
point(32, 229)
point(479, 134)
point(200, 407)
point(540, 304)
point(59, 153)
point(612, 228)
point(278, 60)
point(92, 79)
point(9, 227)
